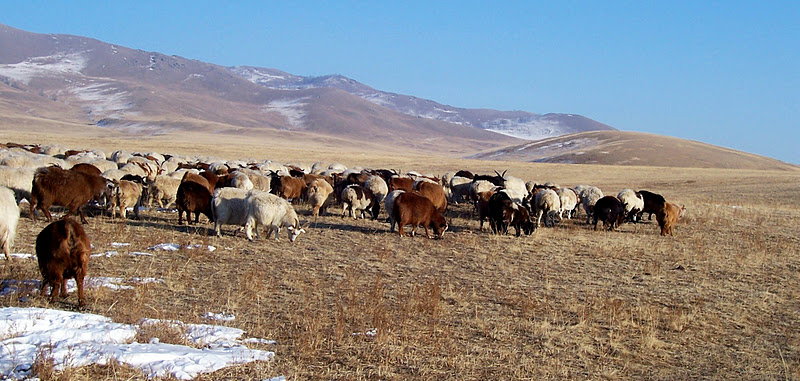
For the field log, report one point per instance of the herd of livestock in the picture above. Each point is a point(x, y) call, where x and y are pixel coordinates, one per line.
point(252, 193)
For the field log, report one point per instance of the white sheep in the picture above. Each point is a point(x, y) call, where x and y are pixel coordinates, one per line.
point(241, 180)
point(632, 201)
point(568, 200)
point(589, 198)
point(377, 185)
point(388, 202)
point(548, 204)
point(272, 212)
point(229, 207)
point(515, 188)
point(19, 180)
point(9, 217)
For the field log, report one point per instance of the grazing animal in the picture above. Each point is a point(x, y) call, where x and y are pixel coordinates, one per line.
point(460, 188)
point(668, 216)
point(589, 198)
point(163, 188)
point(504, 212)
point(288, 187)
point(569, 200)
point(411, 208)
point(195, 177)
point(127, 193)
point(319, 192)
point(483, 206)
point(356, 198)
point(401, 183)
point(633, 203)
point(56, 186)
point(19, 180)
point(377, 186)
point(193, 197)
point(653, 202)
point(9, 217)
point(62, 249)
point(610, 210)
point(86, 168)
point(435, 193)
point(547, 204)
point(241, 180)
point(273, 213)
point(229, 207)
point(389, 204)
point(479, 186)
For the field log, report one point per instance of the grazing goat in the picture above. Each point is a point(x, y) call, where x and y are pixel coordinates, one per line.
point(229, 207)
point(193, 197)
point(319, 192)
point(547, 204)
point(127, 193)
point(668, 216)
point(356, 198)
point(9, 217)
point(273, 213)
point(411, 208)
point(653, 203)
point(56, 186)
point(632, 202)
point(435, 193)
point(610, 210)
point(62, 249)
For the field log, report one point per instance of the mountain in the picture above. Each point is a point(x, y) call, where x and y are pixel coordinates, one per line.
point(632, 148)
point(519, 124)
point(81, 81)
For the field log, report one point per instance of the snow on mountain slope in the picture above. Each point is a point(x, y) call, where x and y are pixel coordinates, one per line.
point(518, 124)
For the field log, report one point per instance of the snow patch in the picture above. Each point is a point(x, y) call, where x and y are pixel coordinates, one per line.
point(104, 100)
point(74, 340)
point(48, 66)
point(291, 109)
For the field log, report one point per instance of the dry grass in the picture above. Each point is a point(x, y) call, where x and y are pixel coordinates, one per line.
point(719, 300)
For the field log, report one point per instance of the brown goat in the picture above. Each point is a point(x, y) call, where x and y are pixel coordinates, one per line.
point(668, 216)
point(291, 188)
point(193, 197)
point(435, 193)
point(190, 176)
point(56, 186)
point(401, 183)
point(86, 168)
point(62, 249)
point(411, 208)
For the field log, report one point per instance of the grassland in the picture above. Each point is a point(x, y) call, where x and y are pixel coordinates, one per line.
point(719, 300)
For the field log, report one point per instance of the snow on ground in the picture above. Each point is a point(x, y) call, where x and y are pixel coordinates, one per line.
point(291, 109)
point(49, 66)
point(74, 339)
point(104, 100)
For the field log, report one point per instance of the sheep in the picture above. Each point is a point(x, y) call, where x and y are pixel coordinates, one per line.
point(127, 193)
point(590, 196)
point(229, 207)
point(569, 201)
point(19, 180)
point(515, 188)
point(62, 250)
point(163, 188)
point(389, 204)
point(479, 186)
point(548, 204)
point(242, 181)
point(632, 202)
point(272, 212)
point(318, 192)
point(668, 216)
point(9, 217)
point(377, 186)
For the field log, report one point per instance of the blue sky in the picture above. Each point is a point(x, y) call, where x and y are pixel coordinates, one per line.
point(725, 73)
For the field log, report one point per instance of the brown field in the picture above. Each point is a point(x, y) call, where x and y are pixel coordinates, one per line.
point(719, 300)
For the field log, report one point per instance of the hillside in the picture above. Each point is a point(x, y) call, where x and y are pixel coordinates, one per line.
point(631, 148)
